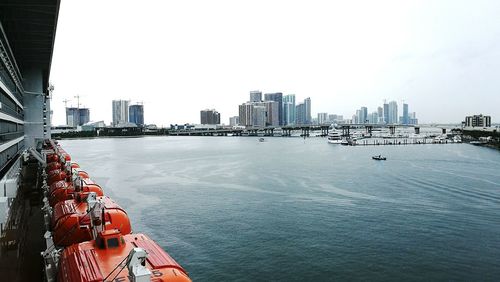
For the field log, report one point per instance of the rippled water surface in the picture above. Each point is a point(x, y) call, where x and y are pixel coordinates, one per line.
point(288, 209)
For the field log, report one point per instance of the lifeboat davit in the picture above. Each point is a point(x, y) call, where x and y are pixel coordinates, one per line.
point(53, 166)
point(60, 174)
point(61, 190)
point(58, 165)
point(71, 220)
point(116, 257)
point(53, 157)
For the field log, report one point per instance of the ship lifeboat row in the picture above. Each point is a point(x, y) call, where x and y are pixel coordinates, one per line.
point(65, 174)
point(72, 221)
point(62, 190)
point(90, 236)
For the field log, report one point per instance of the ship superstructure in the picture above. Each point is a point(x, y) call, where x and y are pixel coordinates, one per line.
point(77, 232)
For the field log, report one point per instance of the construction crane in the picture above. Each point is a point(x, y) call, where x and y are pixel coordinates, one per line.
point(77, 101)
point(65, 101)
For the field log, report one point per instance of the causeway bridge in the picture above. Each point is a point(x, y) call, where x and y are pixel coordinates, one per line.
point(254, 131)
point(305, 130)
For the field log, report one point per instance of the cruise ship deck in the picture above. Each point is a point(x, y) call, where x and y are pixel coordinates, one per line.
point(27, 34)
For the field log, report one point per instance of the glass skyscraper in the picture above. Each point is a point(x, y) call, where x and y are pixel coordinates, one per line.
point(136, 114)
point(289, 109)
point(277, 97)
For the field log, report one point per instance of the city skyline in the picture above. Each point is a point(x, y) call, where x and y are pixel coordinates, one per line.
point(437, 56)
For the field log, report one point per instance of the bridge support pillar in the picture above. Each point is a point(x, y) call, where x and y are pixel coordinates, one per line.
point(392, 129)
point(345, 130)
point(369, 129)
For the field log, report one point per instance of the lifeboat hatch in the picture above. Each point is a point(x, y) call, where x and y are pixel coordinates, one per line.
point(109, 239)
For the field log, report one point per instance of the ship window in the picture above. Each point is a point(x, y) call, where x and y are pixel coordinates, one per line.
point(113, 242)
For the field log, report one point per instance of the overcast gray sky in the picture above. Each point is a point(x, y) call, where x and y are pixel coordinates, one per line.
point(178, 57)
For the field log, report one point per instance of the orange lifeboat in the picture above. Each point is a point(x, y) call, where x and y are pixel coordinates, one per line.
point(61, 190)
point(56, 175)
point(116, 257)
point(53, 166)
point(60, 174)
point(71, 220)
point(53, 157)
point(58, 165)
point(66, 156)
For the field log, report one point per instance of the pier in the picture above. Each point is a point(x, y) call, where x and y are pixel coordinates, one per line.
point(397, 141)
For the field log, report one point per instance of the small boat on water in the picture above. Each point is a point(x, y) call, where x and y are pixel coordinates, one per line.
point(261, 139)
point(379, 158)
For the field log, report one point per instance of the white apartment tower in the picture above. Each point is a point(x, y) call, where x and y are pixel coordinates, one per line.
point(120, 111)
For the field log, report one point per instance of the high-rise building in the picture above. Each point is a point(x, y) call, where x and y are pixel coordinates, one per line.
point(277, 97)
point(332, 118)
point(323, 118)
point(136, 114)
point(233, 121)
point(290, 116)
point(77, 116)
point(255, 96)
point(386, 113)
point(358, 116)
point(288, 113)
point(363, 115)
point(380, 114)
point(120, 111)
point(307, 108)
point(72, 116)
point(209, 117)
point(406, 117)
point(246, 114)
point(272, 111)
point(259, 116)
point(393, 112)
point(300, 110)
point(373, 118)
point(84, 116)
point(413, 118)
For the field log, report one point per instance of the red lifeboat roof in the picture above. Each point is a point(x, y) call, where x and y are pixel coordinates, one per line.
point(88, 262)
point(71, 221)
point(62, 190)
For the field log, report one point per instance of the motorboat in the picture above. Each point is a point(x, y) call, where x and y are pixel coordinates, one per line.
point(278, 132)
point(440, 139)
point(379, 158)
point(334, 137)
point(261, 139)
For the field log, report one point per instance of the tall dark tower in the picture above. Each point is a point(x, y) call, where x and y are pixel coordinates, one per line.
point(277, 97)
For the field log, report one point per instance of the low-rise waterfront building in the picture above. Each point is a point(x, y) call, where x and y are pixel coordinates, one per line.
point(477, 121)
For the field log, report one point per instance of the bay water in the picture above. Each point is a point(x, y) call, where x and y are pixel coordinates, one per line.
point(289, 209)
